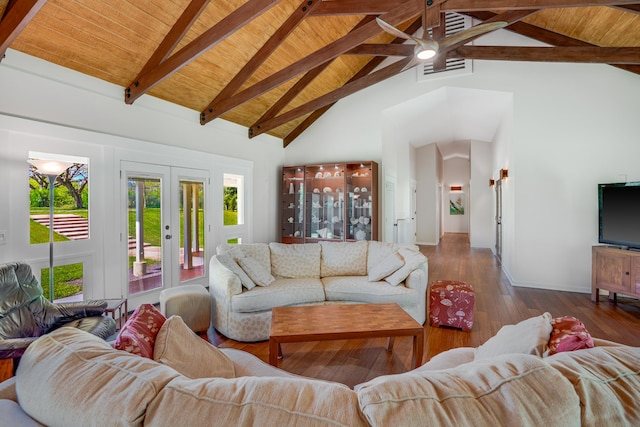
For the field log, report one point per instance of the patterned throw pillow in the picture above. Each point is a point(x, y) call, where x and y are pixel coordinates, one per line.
point(256, 271)
point(568, 334)
point(228, 262)
point(411, 261)
point(386, 267)
point(138, 335)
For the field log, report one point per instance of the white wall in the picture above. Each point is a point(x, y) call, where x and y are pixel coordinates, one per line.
point(572, 126)
point(429, 195)
point(481, 196)
point(52, 108)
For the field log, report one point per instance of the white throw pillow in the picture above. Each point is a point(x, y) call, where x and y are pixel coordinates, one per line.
point(179, 347)
point(411, 261)
point(256, 271)
point(228, 262)
point(386, 267)
point(531, 336)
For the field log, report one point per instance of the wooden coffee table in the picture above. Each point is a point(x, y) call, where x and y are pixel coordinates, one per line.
point(343, 321)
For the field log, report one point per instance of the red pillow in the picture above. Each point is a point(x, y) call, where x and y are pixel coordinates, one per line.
point(568, 334)
point(138, 335)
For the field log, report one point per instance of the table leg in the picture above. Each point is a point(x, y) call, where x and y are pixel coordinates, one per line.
point(390, 342)
point(274, 349)
point(418, 348)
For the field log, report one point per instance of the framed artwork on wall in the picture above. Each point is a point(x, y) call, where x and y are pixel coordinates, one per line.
point(456, 203)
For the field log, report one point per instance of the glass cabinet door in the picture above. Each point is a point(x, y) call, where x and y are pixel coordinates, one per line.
point(292, 209)
point(360, 203)
point(324, 201)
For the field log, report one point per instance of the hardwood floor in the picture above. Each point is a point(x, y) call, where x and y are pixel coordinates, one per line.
point(497, 303)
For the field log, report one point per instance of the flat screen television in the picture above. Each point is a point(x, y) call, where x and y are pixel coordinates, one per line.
point(619, 214)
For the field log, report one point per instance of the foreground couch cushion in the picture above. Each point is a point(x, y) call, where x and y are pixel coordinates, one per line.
point(607, 379)
point(511, 390)
point(254, 401)
point(179, 347)
point(72, 378)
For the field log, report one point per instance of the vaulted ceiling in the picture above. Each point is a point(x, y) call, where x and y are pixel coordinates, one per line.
point(276, 66)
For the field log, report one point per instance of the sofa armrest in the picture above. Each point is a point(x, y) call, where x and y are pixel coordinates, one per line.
point(417, 279)
point(223, 283)
point(78, 309)
point(8, 389)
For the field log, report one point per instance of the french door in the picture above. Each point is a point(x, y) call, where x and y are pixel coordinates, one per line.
point(164, 228)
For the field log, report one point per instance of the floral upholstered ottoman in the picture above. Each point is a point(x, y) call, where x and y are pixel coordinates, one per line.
point(451, 304)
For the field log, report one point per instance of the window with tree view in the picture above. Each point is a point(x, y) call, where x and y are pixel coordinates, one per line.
point(70, 203)
point(59, 212)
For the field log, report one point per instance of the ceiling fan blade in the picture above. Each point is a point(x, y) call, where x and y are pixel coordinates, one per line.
point(472, 32)
point(414, 61)
point(393, 30)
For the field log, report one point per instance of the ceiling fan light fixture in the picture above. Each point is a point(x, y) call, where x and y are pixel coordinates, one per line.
point(426, 53)
point(426, 48)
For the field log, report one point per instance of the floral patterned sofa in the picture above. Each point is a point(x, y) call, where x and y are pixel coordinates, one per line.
point(248, 280)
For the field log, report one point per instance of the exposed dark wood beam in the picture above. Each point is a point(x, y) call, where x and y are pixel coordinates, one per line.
point(336, 95)
point(432, 14)
point(365, 70)
point(401, 13)
point(223, 29)
point(177, 32)
point(546, 36)
point(440, 61)
point(17, 16)
point(383, 50)
point(298, 87)
point(263, 53)
point(635, 8)
point(590, 54)
point(480, 5)
point(354, 7)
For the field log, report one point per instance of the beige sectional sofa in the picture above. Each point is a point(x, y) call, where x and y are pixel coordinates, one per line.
point(246, 281)
point(71, 378)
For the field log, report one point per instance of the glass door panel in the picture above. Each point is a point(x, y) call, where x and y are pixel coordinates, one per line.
point(144, 233)
point(192, 229)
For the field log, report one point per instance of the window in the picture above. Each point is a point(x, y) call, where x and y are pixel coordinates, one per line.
point(58, 212)
point(233, 203)
point(67, 282)
point(70, 198)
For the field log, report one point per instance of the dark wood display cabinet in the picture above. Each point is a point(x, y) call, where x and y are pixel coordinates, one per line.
point(333, 201)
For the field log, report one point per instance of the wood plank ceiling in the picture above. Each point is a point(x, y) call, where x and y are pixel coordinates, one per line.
point(277, 66)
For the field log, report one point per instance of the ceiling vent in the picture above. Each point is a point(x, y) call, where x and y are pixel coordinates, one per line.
point(454, 23)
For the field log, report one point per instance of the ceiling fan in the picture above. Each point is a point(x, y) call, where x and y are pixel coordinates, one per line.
point(427, 47)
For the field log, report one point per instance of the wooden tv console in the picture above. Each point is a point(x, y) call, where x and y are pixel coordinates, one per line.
point(614, 270)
